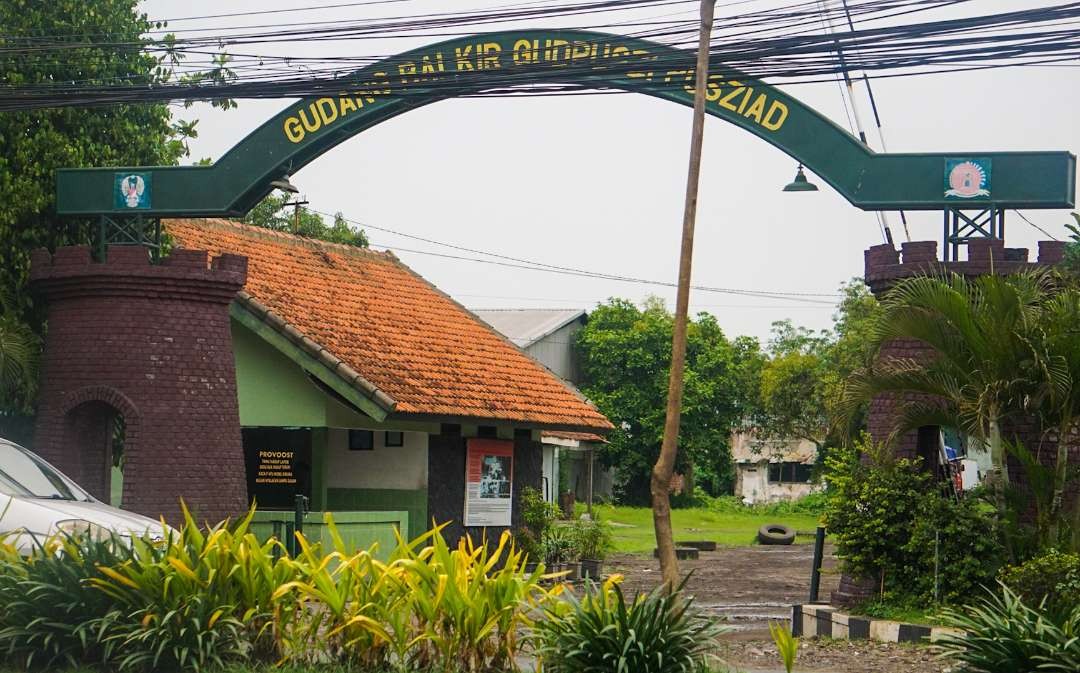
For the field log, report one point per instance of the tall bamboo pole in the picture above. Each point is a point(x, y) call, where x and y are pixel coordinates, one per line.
point(660, 485)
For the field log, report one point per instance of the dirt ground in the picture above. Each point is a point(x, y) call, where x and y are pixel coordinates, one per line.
point(749, 586)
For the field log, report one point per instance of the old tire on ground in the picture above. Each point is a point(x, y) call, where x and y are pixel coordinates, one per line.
point(775, 533)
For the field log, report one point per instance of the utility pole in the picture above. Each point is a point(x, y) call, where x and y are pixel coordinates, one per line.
point(660, 485)
point(296, 212)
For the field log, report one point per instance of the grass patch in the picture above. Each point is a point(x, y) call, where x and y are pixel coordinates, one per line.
point(908, 613)
point(633, 526)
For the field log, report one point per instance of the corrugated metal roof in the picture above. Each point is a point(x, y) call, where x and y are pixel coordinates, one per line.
point(526, 326)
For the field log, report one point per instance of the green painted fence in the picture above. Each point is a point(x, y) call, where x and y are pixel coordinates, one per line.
point(359, 530)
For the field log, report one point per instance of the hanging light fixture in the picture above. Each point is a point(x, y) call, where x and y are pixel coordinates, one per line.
point(800, 183)
point(284, 185)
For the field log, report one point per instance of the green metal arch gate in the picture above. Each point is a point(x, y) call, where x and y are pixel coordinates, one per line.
point(469, 65)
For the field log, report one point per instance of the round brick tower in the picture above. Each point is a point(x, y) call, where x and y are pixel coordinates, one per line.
point(152, 344)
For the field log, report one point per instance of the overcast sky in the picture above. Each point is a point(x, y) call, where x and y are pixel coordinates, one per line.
point(597, 182)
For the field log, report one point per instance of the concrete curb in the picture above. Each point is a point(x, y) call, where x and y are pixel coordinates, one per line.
point(817, 621)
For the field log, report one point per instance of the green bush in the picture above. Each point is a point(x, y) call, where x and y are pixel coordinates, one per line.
point(1002, 634)
point(592, 539)
point(892, 523)
point(602, 631)
point(537, 517)
point(967, 541)
point(1053, 577)
point(558, 545)
point(48, 611)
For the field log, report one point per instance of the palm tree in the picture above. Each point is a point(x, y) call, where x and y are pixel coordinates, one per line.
point(981, 369)
point(18, 357)
point(1055, 344)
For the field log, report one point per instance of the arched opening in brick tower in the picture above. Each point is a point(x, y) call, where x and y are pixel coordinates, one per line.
point(93, 440)
point(95, 436)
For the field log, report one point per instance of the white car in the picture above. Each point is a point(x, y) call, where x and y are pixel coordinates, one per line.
point(37, 500)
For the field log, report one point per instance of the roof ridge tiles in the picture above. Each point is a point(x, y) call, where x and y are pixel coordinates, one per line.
point(291, 238)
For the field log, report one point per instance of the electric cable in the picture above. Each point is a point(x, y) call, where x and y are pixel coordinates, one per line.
point(958, 44)
point(518, 263)
point(1035, 226)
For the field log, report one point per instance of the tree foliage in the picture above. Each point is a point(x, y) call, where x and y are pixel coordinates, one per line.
point(626, 355)
point(18, 358)
point(273, 212)
point(801, 382)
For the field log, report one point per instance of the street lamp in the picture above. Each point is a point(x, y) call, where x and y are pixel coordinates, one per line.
point(284, 185)
point(800, 183)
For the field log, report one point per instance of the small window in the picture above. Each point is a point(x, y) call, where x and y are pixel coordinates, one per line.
point(774, 472)
point(361, 440)
point(394, 438)
point(790, 473)
point(487, 432)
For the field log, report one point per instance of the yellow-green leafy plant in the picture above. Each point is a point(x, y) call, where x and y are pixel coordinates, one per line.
point(429, 608)
point(470, 602)
point(48, 611)
point(200, 599)
point(786, 644)
point(348, 606)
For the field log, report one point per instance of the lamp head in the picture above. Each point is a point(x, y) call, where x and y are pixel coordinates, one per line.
point(284, 185)
point(800, 183)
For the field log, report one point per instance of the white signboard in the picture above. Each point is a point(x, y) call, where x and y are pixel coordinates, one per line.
point(489, 469)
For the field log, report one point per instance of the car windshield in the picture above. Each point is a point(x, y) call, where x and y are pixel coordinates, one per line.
point(23, 474)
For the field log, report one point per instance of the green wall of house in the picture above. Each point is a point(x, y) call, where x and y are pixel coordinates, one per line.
point(383, 499)
point(275, 391)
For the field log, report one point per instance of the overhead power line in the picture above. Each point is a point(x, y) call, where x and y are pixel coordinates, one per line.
point(533, 265)
point(776, 44)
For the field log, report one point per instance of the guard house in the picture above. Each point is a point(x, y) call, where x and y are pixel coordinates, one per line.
point(364, 387)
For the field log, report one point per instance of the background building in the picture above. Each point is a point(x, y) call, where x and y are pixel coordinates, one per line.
point(548, 336)
point(772, 470)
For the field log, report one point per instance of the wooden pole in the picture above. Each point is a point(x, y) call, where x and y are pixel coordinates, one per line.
point(660, 485)
point(592, 455)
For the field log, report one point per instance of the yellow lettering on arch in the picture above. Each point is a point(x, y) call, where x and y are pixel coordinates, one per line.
point(526, 51)
point(293, 130)
point(757, 109)
point(776, 116)
point(327, 110)
point(315, 124)
point(463, 58)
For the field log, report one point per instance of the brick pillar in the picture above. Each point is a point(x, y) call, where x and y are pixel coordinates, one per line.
point(150, 342)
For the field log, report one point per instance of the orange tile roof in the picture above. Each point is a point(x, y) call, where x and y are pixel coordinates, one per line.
point(576, 436)
point(414, 343)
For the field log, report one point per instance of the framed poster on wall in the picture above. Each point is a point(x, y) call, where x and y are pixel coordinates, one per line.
point(489, 482)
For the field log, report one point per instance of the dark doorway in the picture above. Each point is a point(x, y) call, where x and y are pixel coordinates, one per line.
point(94, 438)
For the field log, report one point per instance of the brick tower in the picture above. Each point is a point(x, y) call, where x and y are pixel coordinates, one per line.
point(885, 266)
point(152, 344)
